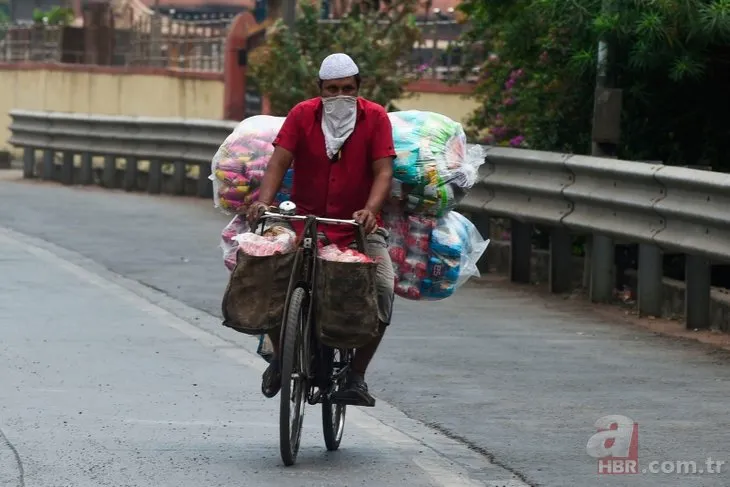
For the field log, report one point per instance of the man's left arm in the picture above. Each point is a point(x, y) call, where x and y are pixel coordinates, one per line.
point(382, 151)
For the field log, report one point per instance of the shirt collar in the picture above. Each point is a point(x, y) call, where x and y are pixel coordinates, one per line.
point(360, 109)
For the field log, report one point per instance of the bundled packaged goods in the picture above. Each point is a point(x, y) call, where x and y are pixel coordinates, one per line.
point(433, 257)
point(268, 244)
point(434, 168)
point(237, 235)
point(240, 163)
point(333, 253)
point(434, 249)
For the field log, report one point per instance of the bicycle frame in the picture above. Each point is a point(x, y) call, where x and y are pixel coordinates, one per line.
point(304, 275)
point(306, 362)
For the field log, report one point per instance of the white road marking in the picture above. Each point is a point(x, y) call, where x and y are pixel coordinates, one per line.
point(442, 470)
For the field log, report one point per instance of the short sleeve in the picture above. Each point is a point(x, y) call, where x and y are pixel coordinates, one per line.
point(288, 137)
point(382, 140)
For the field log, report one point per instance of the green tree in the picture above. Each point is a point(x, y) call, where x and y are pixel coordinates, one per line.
point(286, 67)
point(538, 70)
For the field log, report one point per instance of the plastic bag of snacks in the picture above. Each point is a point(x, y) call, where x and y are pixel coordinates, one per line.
point(276, 240)
point(332, 252)
point(434, 167)
point(229, 246)
point(240, 163)
point(432, 258)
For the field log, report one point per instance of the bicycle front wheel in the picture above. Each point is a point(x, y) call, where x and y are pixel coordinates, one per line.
point(294, 383)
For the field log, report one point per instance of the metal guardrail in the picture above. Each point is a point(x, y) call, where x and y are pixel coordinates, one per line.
point(159, 141)
point(660, 207)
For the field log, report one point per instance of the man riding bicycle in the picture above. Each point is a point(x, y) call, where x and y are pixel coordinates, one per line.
point(342, 149)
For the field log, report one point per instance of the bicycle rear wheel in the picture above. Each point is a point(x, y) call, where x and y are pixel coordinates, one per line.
point(294, 381)
point(333, 415)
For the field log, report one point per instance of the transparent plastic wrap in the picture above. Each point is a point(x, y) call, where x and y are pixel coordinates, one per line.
point(239, 165)
point(433, 257)
point(229, 245)
point(237, 236)
point(434, 167)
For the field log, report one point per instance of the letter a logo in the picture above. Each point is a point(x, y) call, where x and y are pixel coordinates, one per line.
point(618, 439)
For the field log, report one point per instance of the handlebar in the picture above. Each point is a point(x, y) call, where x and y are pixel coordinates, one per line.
point(275, 214)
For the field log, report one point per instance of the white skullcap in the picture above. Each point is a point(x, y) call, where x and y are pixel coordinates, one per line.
point(337, 66)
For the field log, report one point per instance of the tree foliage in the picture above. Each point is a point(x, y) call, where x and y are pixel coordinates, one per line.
point(671, 58)
point(286, 67)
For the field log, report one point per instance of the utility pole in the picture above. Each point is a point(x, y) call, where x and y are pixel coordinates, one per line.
point(605, 138)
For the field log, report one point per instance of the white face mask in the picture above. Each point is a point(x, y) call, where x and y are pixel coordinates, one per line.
point(339, 114)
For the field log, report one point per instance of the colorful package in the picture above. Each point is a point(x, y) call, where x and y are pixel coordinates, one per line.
point(432, 258)
point(239, 165)
point(434, 168)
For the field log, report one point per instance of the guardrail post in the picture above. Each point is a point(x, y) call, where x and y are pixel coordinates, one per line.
point(154, 183)
point(67, 169)
point(650, 280)
point(178, 178)
point(205, 185)
point(561, 260)
point(520, 255)
point(28, 162)
point(602, 257)
point(697, 281)
point(130, 174)
point(87, 170)
point(109, 175)
point(48, 169)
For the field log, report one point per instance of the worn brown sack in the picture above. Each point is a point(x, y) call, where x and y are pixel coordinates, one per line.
point(346, 306)
point(254, 300)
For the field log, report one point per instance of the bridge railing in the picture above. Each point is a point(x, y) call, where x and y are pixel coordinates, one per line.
point(662, 208)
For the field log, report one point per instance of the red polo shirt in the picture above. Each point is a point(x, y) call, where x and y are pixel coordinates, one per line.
point(334, 189)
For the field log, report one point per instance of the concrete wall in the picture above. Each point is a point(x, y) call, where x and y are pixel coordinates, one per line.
point(107, 91)
point(158, 93)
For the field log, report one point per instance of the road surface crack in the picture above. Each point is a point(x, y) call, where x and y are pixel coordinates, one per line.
point(478, 449)
point(18, 461)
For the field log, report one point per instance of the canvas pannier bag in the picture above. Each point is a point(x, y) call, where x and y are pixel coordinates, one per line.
point(254, 300)
point(346, 306)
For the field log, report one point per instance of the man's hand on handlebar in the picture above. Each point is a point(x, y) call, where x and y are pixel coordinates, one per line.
point(367, 220)
point(256, 211)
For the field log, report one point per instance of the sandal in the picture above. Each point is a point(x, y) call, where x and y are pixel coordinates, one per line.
point(271, 380)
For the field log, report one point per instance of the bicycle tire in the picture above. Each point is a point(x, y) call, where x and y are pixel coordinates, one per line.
point(293, 346)
point(333, 415)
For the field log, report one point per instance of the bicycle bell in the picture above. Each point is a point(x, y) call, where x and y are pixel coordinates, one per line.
point(288, 208)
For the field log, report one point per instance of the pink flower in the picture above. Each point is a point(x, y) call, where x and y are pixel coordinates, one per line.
point(509, 101)
point(517, 141)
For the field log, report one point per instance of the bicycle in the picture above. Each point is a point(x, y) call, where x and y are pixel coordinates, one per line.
point(310, 371)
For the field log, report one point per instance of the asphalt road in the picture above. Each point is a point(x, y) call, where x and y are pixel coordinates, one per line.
point(106, 311)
